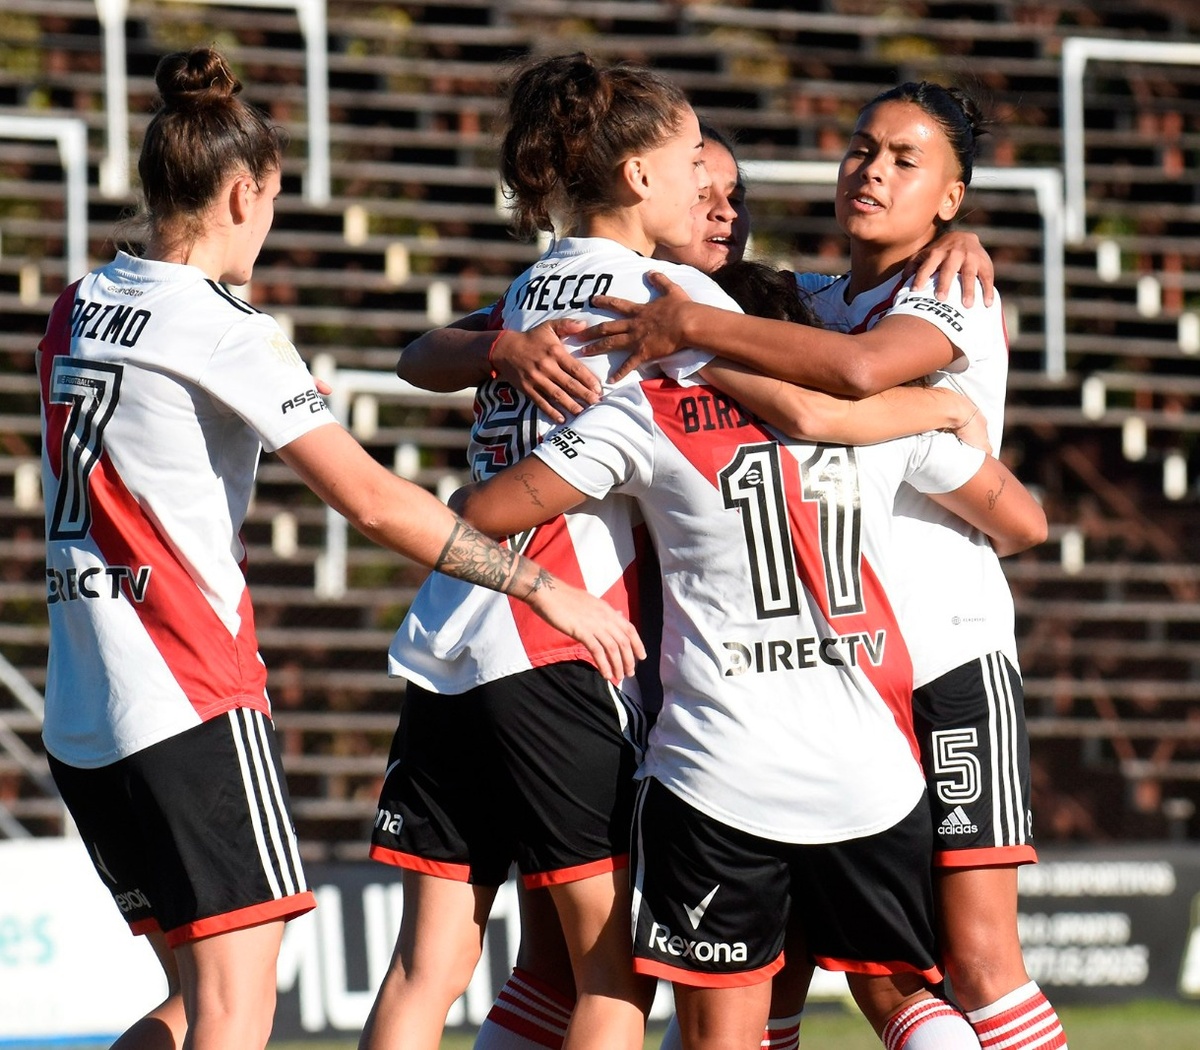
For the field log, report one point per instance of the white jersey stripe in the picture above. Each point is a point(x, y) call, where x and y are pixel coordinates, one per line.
point(1006, 791)
point(239, 742)
point(290, 858)
point(261, 778)
point(638, 879)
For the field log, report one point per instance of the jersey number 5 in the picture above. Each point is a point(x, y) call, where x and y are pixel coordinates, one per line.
point(92, 391)
point(753, 483)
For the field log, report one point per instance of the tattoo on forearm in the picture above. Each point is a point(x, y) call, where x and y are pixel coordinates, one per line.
point(471, 556)
point(993, 496)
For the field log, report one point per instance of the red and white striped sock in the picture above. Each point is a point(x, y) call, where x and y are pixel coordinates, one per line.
point(929, 1024)
point(782, 1033)
point(527, 1015)
point(1021, 1020)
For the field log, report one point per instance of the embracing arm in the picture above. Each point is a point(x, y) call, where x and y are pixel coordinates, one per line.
point(956, 254)
point(997, 504)
point(813, 415)
point(517, 498)
point(398, 514)
point(536, 362)
point(895, 351)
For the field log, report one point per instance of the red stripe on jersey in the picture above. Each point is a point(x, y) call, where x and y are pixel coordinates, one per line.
point(442, 869)
point(881, 307)
point(988, 857)
point(215, 670)
point(553, 548)
point(829, 962)
point(709, 432)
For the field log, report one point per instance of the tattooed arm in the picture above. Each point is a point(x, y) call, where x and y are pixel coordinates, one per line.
point(397, 514)
point(997, 504)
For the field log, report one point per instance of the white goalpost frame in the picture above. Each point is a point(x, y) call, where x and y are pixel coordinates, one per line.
point(1045, 183)
point(71, 135)
point(1077, 51)
point(114, 171)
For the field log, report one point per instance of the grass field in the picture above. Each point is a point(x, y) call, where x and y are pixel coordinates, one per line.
point(1137, 1026)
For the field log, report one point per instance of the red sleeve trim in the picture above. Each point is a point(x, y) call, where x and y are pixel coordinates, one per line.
point(697, 979)
point(440, 869)
point(876, 969)
point(991, 857)
point(539, 879)
point(284, 908)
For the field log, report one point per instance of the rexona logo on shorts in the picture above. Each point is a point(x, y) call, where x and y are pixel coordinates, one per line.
point(389, 822)
point(663, 940)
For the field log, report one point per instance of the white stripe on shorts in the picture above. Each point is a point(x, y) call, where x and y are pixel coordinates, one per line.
point(1008, 818)
point(249, 739)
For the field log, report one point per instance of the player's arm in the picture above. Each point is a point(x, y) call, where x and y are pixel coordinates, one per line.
point(397, 514)
point(897, 350)
point(997, 504)
point(518, 498)
point(536, 362)
point(801, 412)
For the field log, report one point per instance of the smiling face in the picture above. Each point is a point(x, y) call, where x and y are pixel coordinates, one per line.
point(898, 180)
point(720, 221)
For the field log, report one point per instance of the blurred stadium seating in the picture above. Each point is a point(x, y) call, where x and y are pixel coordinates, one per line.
point(1108, 610)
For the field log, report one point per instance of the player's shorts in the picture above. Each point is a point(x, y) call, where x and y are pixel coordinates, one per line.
point(970, 724)
point(193, 836)
point(535, 768)
point(711, 902)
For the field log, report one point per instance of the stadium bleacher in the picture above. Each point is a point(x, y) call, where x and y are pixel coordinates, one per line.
point(1108, 611)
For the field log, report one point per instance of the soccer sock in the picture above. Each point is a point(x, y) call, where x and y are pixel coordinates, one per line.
point(528, 1014)
point(929, 1024)
point(1021, 1020)
point(783, 1033)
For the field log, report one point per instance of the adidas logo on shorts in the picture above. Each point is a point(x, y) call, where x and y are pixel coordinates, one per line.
point(957, 823)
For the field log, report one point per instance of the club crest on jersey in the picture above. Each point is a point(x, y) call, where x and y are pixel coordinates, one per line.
point(800, 654)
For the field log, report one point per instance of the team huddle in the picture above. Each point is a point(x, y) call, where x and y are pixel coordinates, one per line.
point(718, 653)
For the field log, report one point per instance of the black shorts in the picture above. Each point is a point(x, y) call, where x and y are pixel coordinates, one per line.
point(535, 768)
point(711, 903)
point(193, 836)
point(970, 723)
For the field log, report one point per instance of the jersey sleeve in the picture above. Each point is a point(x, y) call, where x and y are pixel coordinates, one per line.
point(684, 364)
point(940, 462)
point(258, 373)
point(609, 447)
point(969, 329)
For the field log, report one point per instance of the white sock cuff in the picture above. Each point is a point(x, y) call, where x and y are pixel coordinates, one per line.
point(1006, 1002)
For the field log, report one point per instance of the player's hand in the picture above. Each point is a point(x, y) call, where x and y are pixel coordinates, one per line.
point(612, 640)
point(955, 254)
point(649, 330)
point(975, 432)
point(537, 363)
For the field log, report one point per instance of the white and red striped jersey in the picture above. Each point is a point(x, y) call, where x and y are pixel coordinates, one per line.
point(958, 605)
point(159, 390)
point(457, 636)
point(787, 686)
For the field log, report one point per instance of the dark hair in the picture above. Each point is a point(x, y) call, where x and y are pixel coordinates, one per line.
point(201, 132)
point(955, 111)
point(763, 291)
point(570, 123)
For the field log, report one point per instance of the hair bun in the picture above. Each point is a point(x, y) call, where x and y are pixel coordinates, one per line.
point(199, 77)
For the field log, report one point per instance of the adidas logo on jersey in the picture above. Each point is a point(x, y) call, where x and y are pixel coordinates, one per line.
point(957, 823)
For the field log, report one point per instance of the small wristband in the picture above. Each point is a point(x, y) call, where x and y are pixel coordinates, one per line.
point(491, 350)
